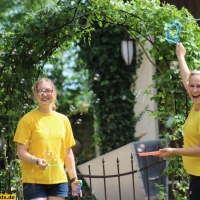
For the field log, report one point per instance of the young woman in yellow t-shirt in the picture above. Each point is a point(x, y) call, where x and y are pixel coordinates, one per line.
point(44, 145)
point(191, 150)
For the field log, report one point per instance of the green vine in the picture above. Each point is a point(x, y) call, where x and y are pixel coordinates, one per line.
point(111, 81)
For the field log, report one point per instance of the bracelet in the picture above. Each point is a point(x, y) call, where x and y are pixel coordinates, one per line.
point(37, 161)
point(74, 179)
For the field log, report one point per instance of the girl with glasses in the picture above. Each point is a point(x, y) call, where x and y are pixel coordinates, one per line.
point(44, 145)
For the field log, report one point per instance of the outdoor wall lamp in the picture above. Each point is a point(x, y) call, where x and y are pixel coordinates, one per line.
point(127, 50)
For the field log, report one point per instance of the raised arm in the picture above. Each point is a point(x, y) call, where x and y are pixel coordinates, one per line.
point(180, 53)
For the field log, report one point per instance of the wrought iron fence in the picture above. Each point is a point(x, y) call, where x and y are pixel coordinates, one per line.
point(149, 170)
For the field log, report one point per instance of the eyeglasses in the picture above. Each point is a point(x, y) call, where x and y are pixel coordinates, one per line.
point(47, 92)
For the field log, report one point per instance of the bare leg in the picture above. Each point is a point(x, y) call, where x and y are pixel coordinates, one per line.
point(55, 198)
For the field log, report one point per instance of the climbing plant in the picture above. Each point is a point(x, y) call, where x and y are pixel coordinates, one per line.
point(30, 44)
point(144, 19)
point(111, 81)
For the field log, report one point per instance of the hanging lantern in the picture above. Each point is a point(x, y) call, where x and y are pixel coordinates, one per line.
point(127, 50)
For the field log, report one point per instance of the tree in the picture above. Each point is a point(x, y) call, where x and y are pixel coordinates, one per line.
point(12, 12)
point(23, 57)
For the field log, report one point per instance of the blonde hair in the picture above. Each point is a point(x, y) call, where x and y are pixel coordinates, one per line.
point(41, 80)
point(192, 73)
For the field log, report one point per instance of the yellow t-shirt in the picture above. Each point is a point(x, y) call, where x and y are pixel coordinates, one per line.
point(47, 136)
point(191, 139)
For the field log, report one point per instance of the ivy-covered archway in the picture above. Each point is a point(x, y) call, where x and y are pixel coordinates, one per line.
point(25, 51)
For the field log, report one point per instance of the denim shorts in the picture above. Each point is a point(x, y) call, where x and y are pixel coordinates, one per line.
point(33, 191)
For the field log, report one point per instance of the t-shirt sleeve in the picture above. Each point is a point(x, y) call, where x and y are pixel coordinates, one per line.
point(69, 137)
point(23, 132)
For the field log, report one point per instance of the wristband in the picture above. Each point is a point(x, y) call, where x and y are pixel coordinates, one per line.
point(37, 161)
point(74, 179)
